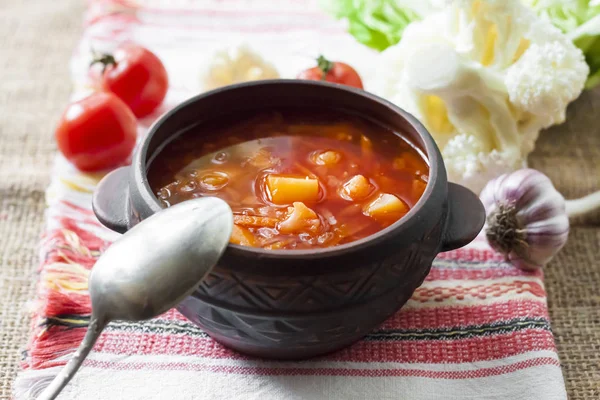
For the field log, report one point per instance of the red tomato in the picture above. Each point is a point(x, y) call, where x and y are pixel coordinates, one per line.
point(336, 72)
point(137, 76)
point(97, 132)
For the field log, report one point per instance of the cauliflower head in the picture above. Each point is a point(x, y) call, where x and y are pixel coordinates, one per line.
point(484, 77)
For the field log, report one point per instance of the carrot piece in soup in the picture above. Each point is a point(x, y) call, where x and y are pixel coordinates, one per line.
point(289, 189)
point(254, 222)
point(242, 236)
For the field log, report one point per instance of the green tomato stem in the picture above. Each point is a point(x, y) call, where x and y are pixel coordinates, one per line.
point(324, 65)
point(104, 59)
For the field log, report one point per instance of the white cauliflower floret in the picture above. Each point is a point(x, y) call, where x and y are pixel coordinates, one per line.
point(462, 153)
point(234, 65)
point(546, 79)
point(484, 77)
point(467, 161)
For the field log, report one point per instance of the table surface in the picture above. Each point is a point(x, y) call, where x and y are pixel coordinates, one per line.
point(37, 37)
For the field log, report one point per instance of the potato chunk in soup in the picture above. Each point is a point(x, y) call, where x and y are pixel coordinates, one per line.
point(289, 189)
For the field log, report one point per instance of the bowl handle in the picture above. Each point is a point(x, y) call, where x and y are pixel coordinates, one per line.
point(466, 216)
point(110, 198)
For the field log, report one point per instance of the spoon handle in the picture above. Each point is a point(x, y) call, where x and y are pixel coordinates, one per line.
point(95, 328)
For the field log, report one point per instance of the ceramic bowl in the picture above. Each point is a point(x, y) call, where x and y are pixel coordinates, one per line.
point(293, 304)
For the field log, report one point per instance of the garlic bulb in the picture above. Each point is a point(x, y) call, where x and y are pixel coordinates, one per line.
point(526, 218)
point(234, 65)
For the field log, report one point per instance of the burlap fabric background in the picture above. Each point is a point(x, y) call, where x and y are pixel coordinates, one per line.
point(36, 39)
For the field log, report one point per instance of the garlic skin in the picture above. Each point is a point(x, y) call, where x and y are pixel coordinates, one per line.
point(526, 218)
point(235, 65)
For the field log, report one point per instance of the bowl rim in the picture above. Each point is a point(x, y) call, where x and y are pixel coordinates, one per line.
point(431, 152)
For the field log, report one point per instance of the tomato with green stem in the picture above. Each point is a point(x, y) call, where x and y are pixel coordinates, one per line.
point(136, 76)
point(332, 71)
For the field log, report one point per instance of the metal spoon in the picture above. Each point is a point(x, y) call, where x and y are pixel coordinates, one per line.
point(150, 269)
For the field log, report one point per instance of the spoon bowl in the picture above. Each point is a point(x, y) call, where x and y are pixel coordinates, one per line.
point(150, 269)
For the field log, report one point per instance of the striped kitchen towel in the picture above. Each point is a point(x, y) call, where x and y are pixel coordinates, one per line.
point(476, 329)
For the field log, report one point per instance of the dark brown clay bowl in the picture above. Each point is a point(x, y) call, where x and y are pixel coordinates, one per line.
point(293, 304)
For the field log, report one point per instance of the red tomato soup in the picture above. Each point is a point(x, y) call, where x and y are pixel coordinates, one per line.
point(295, 179)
